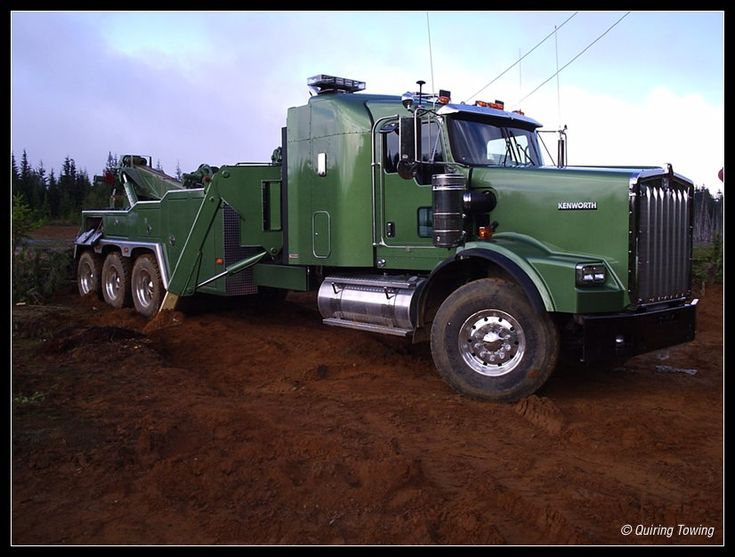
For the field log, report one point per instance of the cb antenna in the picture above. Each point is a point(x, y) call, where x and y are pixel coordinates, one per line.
point(420, 83)
point(431, 59)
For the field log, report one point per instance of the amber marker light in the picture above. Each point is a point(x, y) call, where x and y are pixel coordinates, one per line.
point(484, 233)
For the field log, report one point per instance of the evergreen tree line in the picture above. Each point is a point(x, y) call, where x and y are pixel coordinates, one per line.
point(51, 197)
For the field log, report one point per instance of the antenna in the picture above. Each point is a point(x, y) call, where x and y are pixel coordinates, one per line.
point(431, 59)
point(558, 92)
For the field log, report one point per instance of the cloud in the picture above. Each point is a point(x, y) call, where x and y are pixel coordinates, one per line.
point(660, 127)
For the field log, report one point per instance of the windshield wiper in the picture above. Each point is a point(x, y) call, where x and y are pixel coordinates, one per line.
point(528, 161)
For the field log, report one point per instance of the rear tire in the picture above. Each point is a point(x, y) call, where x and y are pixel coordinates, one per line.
point(116, 280)
point(488, 342)
point(89, 273)
point(146, 286)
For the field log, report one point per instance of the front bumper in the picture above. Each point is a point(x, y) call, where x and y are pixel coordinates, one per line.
point(624, 335)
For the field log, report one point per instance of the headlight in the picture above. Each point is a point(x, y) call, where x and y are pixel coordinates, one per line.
point(589, 274)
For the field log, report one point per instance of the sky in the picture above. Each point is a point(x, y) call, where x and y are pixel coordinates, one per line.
point(214, 87)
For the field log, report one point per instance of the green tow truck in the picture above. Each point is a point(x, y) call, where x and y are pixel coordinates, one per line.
point(418, 217)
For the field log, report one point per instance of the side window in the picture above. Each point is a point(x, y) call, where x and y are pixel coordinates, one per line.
point(431, 150)
point(391, 154)
point(425, 222)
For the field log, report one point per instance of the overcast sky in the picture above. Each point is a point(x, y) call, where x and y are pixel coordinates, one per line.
point(214, 87)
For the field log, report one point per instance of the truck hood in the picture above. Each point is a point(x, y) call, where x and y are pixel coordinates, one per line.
point(582, 212)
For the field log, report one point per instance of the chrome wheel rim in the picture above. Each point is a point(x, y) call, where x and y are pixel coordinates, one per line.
point(492, 342)
point(112, 284)
point(86, 278)
point(143, 288)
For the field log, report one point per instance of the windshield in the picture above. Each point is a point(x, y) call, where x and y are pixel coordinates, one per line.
point(493, 143)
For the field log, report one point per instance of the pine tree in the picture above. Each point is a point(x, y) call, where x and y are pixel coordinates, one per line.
point(15, 175)
point(69, 196)
point(53, 197)
point(24, 179)
point(112, 162)
point(178, 171)
point(38, 192)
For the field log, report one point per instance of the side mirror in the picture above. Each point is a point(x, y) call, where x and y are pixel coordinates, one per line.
point(410, 148)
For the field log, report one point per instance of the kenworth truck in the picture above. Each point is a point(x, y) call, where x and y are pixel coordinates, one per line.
point(419, 217)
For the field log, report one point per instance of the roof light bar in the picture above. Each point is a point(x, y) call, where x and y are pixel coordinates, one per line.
point(500, 105)
point(323, 83)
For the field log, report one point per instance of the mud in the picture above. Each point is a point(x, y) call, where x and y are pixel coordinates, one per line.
point(222, 423)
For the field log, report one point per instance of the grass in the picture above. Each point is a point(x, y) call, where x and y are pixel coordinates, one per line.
point(39, 273)
point(22, 400)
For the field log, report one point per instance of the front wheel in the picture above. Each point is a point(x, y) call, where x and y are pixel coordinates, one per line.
point(488, 342)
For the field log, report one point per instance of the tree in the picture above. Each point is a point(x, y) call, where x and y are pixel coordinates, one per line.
point(53, 197)
point(707, 215)
point(178, 171)
point(112, 162)
point(22, 220)
point(15, 175)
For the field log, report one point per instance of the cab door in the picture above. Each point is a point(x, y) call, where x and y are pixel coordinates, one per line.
point(407, 204)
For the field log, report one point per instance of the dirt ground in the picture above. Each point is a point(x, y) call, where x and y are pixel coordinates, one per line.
point(223, 424)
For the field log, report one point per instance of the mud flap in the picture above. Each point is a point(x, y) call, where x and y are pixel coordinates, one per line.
point(169, 302)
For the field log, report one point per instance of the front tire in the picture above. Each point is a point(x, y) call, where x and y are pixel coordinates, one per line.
point(146, 286)
point(116, 280)
point(488, 342)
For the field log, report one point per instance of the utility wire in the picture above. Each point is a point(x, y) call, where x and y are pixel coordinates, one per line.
point(572, 60)
point(514, 64)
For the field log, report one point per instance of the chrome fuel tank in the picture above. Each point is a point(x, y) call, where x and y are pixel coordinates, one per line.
point(374, 303)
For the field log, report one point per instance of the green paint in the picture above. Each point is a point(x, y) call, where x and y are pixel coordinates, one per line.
point(356, 212)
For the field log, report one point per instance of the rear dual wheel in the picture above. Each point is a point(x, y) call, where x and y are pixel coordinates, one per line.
point(122, 284)
point(89, 273)
point(116, 280)
point(146, 286)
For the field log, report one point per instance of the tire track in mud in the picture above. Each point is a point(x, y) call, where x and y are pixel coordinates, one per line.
point(542, 413)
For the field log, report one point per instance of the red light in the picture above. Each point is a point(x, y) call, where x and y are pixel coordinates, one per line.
point(219, 261)
point(484, 233)
point(443, 100)
point(500, 105)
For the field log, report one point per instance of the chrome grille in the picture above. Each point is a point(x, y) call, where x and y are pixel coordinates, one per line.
point(661, 214)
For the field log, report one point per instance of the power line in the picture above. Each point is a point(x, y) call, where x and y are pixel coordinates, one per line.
point(519, 60)
point(572, 60)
